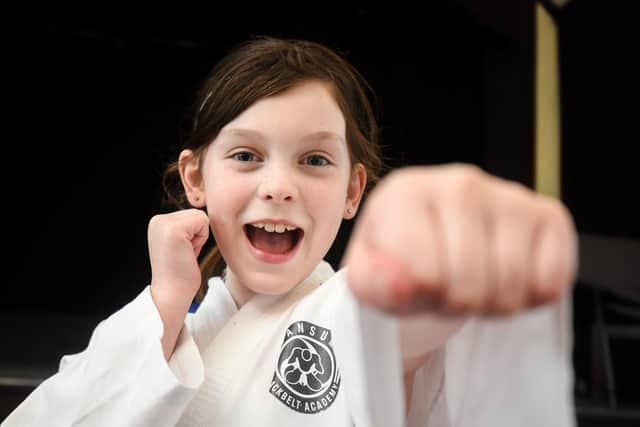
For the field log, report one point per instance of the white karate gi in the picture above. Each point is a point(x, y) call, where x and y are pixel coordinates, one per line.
point(274, 363)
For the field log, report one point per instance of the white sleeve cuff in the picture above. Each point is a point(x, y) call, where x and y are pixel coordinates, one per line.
point(186, 362)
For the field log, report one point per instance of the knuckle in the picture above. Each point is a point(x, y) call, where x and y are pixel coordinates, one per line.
point(156, 222)
point(202, 215)
point(429, 276)
point(463, 184)
point(401, 178)
point(168, 228)
point(564, 216)
point(518, 189)
point(467, 170)
point(460, 301)
point(544, 293)
point(505, 306)
point(555, 212)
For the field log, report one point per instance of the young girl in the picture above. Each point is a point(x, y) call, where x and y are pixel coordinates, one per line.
point(282, 147)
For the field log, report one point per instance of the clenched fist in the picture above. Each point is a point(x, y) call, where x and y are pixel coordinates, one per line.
point(175, 241)
point(453, 239)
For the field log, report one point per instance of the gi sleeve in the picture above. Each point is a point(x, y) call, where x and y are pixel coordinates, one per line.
point(507, 371)
point(120, 379)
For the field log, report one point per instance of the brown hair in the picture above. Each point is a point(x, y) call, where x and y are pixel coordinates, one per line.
point(262, 67)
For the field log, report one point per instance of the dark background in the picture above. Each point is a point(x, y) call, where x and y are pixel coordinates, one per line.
point(98, 97)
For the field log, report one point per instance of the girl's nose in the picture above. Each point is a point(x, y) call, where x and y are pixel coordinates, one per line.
point(278, 186)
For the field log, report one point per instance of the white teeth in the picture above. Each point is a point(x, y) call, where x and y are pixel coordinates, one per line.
point(278, 228)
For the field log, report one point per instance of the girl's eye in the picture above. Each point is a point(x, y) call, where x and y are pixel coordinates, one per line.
point(244, 156)
point(315, 160)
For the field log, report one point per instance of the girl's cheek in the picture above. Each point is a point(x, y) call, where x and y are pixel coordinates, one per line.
point(217, 219)
point(227, 187)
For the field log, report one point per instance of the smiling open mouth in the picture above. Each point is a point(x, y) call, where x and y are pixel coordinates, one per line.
point(274, 239)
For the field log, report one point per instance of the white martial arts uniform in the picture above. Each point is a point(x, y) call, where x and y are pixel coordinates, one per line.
point(274, 363)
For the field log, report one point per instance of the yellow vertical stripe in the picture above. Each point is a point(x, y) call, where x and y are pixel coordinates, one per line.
point(547, 109)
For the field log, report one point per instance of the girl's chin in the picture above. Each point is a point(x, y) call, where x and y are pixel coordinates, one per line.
point(272, 283)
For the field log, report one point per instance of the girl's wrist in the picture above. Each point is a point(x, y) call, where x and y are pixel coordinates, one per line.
point(171, 296)
point(172, 309)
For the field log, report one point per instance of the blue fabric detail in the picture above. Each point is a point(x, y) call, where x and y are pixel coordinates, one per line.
point(194, 307)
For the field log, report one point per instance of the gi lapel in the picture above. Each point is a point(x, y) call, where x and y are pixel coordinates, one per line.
point(372, 365)
point(239, 339)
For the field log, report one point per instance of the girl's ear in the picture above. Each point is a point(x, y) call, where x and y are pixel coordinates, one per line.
point(357, 184)
point(191, 177)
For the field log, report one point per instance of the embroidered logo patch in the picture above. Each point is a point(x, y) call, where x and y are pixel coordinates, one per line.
point(306, 378)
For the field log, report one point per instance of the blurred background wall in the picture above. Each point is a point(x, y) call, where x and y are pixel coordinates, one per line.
point(95, 102)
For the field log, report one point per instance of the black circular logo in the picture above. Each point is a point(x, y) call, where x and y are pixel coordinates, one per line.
point(306, 378)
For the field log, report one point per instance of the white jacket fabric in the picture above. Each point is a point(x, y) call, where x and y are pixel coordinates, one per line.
point(274, 362)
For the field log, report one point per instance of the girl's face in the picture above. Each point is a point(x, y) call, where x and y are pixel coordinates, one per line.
point(277, 182)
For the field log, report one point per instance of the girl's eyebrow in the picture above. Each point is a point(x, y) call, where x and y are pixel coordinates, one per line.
point(323, 135)
point(316, 136)
point(243, 132)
